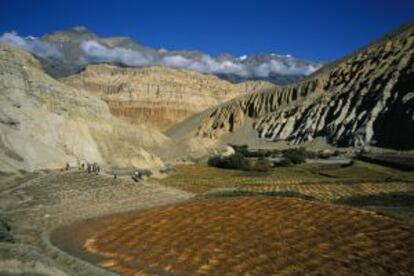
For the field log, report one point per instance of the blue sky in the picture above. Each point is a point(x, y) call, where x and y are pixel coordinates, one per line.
point(316, 30)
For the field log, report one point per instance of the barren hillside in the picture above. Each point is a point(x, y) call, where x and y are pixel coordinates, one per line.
point(365, 99)
point(157, 97)
point(44, 123)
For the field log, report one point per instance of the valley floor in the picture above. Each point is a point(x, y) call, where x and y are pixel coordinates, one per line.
point(36, 205)
point(245, 236)
point(370, 186)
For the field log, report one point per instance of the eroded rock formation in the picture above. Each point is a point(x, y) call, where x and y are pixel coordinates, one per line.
point(365, 99)
point(45, 123)
point(157, 97)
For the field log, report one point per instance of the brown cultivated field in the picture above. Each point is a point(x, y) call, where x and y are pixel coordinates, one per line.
point(253, 236)
point(202, 178)
point(364, 185)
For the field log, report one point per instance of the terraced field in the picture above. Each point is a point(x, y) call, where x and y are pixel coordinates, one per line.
point(38, 204)
point(333, 191)
point(256, 235)
point(202, 178)
point(362, 184)
point(59, 196)
point(253, 236)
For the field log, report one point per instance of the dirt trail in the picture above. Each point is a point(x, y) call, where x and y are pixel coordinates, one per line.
point(38, 205)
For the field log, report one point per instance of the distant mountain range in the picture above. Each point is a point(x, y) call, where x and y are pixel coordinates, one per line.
point(67, 52)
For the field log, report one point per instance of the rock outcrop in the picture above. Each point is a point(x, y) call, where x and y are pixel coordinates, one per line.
point(364, 99)
point(45, 123)
point(157, 97)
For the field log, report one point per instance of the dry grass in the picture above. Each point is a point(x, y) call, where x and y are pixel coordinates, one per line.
point(333, 191)
point(326, 183)
point(202, 178)
point(322, 182)
point(254, 236)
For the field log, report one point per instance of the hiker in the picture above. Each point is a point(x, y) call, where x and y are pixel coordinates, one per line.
point(67, 166)
point(97, 168)
point(136, 176)
point(88, 167)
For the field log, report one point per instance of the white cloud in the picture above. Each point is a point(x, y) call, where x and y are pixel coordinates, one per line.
point(284, 65)
point(206, 64)
point(284, 68)
point(30, 44)
point(176, 61)
point(96, 52)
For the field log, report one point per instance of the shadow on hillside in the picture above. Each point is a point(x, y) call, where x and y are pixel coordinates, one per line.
point(383, 200)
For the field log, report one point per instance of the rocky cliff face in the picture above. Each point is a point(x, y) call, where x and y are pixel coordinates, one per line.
point(365, 99)
point(45, 123)
point(157, 97)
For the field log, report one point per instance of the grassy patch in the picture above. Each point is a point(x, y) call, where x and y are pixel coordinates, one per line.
point(235, 161)
point(236, 193)
point(202, 178)
point(383, 200)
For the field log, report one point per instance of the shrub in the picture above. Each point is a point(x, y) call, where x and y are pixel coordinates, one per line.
point(235, 161)
point(145, 172)
point(5, 231)
point(285, 163)
point(296, 155)
point(262, 165)
point(215, 161)
point(167, 169)
point(243, 149)
point(325, 154)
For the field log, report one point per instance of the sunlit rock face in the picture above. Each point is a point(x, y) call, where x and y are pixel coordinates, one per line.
point(364, 99)
point(158, 97)
point(45, 123)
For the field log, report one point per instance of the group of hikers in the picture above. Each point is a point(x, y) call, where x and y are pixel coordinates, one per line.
point(95, 168)
point(86, 166)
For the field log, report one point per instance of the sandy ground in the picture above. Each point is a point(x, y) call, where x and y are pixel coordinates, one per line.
point(37, 204)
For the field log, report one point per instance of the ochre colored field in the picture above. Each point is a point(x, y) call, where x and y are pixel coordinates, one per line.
point(306, 178)
point(254, 236)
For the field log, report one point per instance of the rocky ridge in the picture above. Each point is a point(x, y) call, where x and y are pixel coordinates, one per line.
point(157, 97)
point(365, 99)
point(45, 123)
